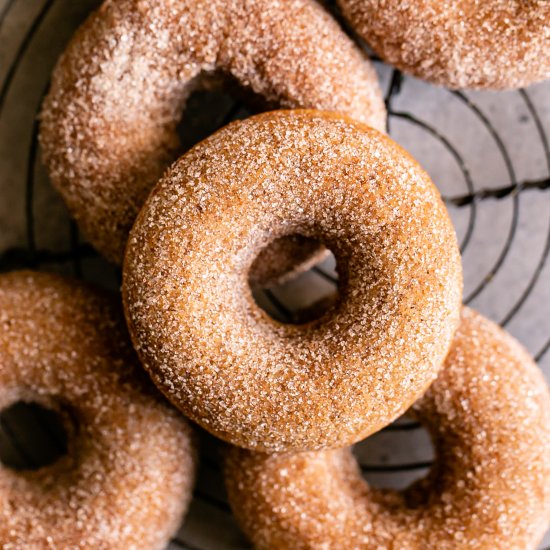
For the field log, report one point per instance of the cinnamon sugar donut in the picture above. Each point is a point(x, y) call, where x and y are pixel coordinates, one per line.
point(495, 44)
point(109, 122)
point(126, 479)
point(489, 417)
point(221, 359)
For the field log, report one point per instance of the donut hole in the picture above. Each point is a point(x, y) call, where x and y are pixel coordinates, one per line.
point(215, 99)
point(298, 298)
point(397, 456)
point(31, 436)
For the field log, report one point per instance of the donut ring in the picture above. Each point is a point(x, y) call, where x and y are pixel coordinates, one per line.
point(221, 359)
point(495, 44)
point(489, 416)
point(109, 122)
point(126, 479)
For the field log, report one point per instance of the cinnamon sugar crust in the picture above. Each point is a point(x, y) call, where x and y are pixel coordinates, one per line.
point(127, 477)
point(222, 360)
point(488, 414)
point(109, 123)
point(486, 44)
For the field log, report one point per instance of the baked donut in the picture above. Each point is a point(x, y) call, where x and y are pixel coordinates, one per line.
point(126, 478)
point(489, 417)
point(109, 122)
point(223, 361)
point(495, 44)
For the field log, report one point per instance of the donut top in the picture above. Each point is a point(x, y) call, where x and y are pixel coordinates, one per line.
point(495, 44)
point(109, 123)
point(488, 414)
point(126, 479)
point(218, 356)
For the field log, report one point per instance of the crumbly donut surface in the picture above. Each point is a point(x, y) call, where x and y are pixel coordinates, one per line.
point(109, 122)
point(495, 44)
point(241, 375)
point(488, 413)
point(126, 480)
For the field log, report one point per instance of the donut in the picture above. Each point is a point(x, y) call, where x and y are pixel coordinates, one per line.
point(109, 122)
point(488, 414)
point(222, 360)
point(491, 44)
point(126, 479)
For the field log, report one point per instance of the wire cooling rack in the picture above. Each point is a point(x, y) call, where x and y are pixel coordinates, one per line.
point(488, 153)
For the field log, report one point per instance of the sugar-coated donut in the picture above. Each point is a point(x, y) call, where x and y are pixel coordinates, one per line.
point(109, 122)
point(495, 44)
point(489, 417)
point(126, 479)
point(221, 359)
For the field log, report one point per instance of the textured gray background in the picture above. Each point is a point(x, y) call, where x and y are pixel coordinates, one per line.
point(501, 210)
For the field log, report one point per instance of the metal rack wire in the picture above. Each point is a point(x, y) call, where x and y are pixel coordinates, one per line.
point(76, 258)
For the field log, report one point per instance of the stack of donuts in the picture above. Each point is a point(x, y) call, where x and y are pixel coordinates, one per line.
point(254, 204)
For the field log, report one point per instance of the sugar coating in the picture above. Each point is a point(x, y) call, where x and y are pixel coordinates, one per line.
point(109, 122)
point(222, 360)
point(488, 413)
point(126, 480)
point(495, 44)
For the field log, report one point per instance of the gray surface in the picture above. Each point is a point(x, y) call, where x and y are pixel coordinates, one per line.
point(512, 231)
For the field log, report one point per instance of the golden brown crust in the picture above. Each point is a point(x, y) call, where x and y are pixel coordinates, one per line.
point(126, 480)
point(489, 416)
point(240, 374)
point(109, 122)
point(495, 44)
